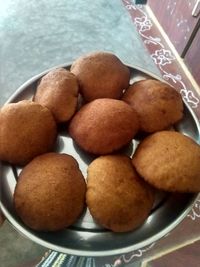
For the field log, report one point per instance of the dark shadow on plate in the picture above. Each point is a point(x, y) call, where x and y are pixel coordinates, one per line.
point(14, 169)
point(81, 102)
point(85, 156)
point(128, 149)
point(141, 135)
point(160, 198)
point(89, 157)
point(59, 145)
point(63, 128)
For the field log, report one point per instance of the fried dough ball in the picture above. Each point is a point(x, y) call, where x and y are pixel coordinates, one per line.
point(169, 161)
point(101, 75)
point(157, 104)
point(104, 125)
point(27, 130)
point(58, 91)
point(50, 193)
point(118, 199)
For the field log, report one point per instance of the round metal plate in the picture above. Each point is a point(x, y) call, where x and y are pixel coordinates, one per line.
point(86, 238)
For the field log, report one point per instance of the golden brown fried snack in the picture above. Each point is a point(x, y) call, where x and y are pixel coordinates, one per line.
point(157, 104)
point(117, 198)
point(58, 91)
point(50, 193)
point(169, 161)
point(104, 125)
point(27, 130)
point(101, 75)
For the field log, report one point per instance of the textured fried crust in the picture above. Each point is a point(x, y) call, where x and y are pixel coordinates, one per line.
point(169, 161)
point(101, 75)
point(117, 197)
point(27, 130)
point(158, 105)
point(104, 126)
point(58, 91)
point(50, 193)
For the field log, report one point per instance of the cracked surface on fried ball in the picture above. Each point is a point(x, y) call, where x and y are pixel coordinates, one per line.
point(58, 91)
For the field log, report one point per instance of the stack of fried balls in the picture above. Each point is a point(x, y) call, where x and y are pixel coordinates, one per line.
point(51, 192)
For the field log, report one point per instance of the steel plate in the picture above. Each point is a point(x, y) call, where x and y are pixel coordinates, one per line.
point(85, 238)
